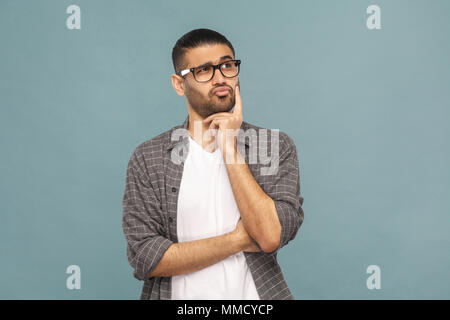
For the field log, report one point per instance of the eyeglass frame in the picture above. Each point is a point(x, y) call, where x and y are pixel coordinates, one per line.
point(217, 66)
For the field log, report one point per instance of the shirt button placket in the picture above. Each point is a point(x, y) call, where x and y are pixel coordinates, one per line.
point(173, 190)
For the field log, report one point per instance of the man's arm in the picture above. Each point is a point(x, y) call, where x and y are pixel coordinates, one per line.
point(274, 215)
point(142, 220)
point(272, 212)
point(149, 251)
point(257, 209)
point(187, 257)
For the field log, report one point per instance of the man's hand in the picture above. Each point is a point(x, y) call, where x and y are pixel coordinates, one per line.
point(247, 241)
point(227, 124)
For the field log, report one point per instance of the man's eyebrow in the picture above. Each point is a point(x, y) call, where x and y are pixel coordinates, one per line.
point(209, 63)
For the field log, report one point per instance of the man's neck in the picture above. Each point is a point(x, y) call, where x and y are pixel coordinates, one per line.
point(198, 131)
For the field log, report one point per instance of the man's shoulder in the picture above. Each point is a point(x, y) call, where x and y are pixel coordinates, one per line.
point(151, 150)
point(154, 142)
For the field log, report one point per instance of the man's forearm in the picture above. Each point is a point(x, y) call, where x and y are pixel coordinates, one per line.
point(256, 208)
point(186, 257)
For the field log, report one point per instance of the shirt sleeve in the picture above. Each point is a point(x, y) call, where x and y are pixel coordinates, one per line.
point(285, 192)
point(142, 221)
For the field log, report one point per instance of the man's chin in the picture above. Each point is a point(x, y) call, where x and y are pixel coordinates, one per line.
point(218, 109)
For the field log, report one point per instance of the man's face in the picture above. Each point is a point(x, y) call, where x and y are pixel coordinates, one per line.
point(201, 96)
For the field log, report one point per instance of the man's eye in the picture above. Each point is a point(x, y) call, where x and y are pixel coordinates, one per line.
point(204, 69)
point(227, 65)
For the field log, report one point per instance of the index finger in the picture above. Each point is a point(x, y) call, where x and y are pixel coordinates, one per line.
point(238, 102)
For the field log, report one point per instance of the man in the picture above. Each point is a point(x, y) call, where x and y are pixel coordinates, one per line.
point(208, 224)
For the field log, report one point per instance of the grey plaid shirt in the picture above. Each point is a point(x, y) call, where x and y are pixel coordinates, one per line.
point(150, 208)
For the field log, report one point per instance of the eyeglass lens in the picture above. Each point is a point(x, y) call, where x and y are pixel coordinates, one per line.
point(229, 69)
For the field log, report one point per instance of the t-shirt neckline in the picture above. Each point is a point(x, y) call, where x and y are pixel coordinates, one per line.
point(197, 145)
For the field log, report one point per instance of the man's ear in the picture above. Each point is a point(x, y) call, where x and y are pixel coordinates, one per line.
point(178, 84)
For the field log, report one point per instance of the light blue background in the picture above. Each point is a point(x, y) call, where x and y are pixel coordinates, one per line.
point(368, 111)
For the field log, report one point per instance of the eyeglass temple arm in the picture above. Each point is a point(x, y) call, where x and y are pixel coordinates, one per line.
point(184, 72)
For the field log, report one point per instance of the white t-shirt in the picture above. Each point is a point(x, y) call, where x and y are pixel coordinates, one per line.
point(207, 208)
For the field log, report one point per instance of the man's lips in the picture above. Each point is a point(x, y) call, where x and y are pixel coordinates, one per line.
point(221, 91)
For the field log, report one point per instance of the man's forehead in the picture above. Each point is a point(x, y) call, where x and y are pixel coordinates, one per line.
point(208, 53)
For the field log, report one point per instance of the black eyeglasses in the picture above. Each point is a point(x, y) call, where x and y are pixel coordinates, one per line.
point(229, 69)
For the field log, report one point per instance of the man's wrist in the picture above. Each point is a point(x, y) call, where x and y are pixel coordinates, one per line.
point(232, 154)
point(236, 241)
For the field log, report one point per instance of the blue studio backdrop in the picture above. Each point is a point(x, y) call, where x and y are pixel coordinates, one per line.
point(364, 94)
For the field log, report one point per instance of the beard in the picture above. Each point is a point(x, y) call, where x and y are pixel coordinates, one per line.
point(206, 106)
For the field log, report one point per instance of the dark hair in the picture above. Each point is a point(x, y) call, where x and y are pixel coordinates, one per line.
point(194, 39)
